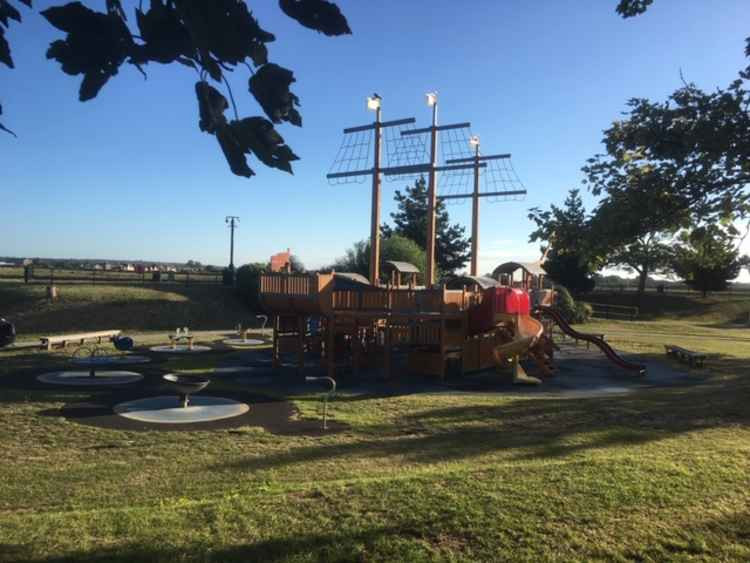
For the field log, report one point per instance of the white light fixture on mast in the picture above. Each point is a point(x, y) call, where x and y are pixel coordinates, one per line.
point(373, 102)
point(474, 140)
point(431, 98)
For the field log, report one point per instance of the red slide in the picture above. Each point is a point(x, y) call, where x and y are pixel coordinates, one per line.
point(613, 356)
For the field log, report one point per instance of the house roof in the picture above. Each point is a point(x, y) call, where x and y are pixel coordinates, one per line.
point(534, 268)
point(403, 267)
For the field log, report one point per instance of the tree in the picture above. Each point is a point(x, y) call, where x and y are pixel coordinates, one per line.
point(296, 265)
point(571, 254)
point(7, 13)
point(687, 157)
point(706, 259)
point(248, 283)
point(211, 38)
point(452, 249)
point(395, 247)
point(628, 230)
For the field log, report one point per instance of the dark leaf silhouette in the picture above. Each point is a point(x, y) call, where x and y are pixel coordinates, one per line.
point(270, 86)
point(96, 45)
point(211, 105)
point(2, 127)
point(318, 15)
point(226, 31)
point(5, 50)
point(8, 12)
point(254, 135)
point(166, 38)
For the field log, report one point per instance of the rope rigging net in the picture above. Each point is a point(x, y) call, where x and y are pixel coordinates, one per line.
point(355, 153)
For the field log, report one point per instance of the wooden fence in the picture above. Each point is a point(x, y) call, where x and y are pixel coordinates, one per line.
point(57, 276)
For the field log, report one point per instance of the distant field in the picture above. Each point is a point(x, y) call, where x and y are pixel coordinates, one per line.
point(61, 275)
point(721, 307)
point(99, 307)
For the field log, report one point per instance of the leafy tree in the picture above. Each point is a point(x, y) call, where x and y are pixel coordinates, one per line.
point(395, 247)
point(210, 37)
point(296, 265)
point(706, 259)
point(451, 247)
point(685, 157)
point(566, 234)
point(627, 229)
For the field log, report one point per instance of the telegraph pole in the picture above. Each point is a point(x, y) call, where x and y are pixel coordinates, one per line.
point(232, 221)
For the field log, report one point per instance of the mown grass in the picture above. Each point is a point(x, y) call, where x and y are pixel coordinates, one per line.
point(662, 474)
point(101, 307)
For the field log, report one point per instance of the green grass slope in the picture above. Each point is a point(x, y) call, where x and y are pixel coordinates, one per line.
point(100, 307)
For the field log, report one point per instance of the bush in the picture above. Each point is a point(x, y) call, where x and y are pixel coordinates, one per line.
point(574, 312)
point(248, 284)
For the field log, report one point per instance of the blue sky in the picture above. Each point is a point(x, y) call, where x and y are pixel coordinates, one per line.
point(129, 175)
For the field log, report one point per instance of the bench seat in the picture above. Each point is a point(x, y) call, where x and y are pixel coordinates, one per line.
point(49, 341)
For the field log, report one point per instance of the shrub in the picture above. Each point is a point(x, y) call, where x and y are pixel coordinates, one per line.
point(574, 312)
point(248, 284)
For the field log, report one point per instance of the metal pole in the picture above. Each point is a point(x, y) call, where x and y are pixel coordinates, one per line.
point(475, 215)
point(431, 201)
point(375, 219)
point(232, 219)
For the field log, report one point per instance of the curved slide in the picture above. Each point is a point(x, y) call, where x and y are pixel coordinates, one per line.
point(529, 332)
point(613, 356)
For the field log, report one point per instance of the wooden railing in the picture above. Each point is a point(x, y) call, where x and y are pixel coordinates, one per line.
point(288, 284)
point(607, 311)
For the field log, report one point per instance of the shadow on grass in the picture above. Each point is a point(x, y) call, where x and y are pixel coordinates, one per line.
point(342, 546)
point(546, 427)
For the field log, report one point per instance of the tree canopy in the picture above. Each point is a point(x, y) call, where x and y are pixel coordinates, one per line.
point(565, 234)
point(211, 38)
point(707, 259)
point(394, 247)
point(452, 248)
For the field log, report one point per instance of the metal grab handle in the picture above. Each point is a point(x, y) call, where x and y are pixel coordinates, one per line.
point(311, 379)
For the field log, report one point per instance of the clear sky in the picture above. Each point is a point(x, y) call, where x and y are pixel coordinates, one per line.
point(130, 176)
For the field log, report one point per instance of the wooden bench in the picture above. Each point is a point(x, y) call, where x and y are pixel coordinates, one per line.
point(694, 359)
point(49, 341)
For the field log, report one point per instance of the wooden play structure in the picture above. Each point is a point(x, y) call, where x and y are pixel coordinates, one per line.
point(347, 322)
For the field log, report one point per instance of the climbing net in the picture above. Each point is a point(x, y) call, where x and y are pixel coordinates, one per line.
point(404, 150)
point(454, 143)
point(355, 153)
point(500, 176)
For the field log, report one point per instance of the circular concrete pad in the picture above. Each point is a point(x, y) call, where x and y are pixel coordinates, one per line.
point(180, 349)
point(243, 342)
point(123, 360)
point(167, 409)
point(82, 378)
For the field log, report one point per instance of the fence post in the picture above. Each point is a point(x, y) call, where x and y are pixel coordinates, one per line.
point(187, 278)
point(93, 277)
point(52, 276)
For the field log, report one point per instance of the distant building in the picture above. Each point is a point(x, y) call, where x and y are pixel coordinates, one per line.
point(282, 262)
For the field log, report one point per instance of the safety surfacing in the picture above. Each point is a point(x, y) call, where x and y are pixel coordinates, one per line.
point(168, 409)
point(83, 378)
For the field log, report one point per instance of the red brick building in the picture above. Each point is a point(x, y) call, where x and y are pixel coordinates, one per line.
point(281, 262)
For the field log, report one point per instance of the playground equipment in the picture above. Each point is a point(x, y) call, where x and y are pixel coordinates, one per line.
point(86, 379)
point(186, 385)
point(242, 341)
point(326, 397)
point(175, 346)
point(335, 317)
point(598, 341)
point(96, 356)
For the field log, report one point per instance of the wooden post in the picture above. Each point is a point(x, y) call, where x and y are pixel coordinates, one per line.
point(375, 219)
point(432, 201)
point(387, 349)
point(331, 346)
point(275, 349)
point(475, 214)
point(301, 342)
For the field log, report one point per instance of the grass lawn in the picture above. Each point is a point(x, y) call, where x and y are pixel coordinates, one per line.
point(661, 474)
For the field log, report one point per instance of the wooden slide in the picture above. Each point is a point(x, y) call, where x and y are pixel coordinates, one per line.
point(528, 332)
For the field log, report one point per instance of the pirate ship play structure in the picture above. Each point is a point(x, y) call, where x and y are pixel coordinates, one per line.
point(346, 319)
